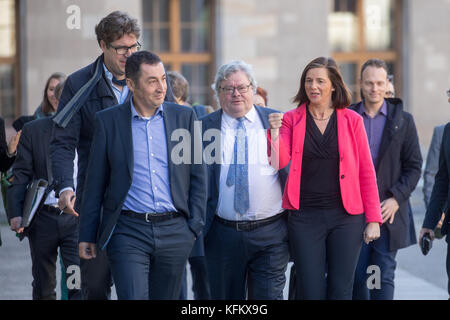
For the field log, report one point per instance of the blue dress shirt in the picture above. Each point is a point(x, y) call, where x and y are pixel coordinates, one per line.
point(374, 129)
point(150, 187)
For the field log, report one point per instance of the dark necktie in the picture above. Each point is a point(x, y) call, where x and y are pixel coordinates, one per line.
point(238, 171)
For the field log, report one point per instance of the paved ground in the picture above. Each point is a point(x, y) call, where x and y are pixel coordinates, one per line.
point(418, 277)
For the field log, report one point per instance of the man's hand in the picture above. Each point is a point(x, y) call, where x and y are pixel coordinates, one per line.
point(12, 145)
point(275, 121)
point(422, 233)
point(87, 250)
point(66, 202)
point(372, 232)
point(16, 224)
point(388, 209)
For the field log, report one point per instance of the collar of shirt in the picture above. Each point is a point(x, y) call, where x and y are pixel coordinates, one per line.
point(120, 95)
point(383, 109)
point(231, 122)
point(136, 115)
point(108, 75)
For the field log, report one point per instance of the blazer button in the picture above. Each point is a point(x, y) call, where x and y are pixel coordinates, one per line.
point(343, 176)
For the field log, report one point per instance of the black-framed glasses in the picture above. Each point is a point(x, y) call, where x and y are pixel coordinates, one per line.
point(241, 89)
point(124, 50)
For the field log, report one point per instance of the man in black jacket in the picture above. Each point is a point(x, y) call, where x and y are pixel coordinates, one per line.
point(98, 86)
point(395, 150)
point(51, 229)
point(440, 196)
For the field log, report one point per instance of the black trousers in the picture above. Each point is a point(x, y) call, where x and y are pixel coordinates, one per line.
point(325, 245)
point(49, 232)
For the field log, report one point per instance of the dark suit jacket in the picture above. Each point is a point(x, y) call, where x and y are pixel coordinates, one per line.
point(214, 121)
point(441, 189)
point(398, 170)
point(31, 162)
point(78, 133)
point(5, 161)
point(110, 171)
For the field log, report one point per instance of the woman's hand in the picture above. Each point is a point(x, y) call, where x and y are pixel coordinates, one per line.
point(372, 232)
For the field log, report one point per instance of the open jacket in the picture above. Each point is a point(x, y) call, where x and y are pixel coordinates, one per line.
point(398, 170)
point(111, 166)
point(356, 172)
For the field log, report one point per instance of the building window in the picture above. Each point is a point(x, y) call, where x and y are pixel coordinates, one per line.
point(363, 29)
point(180, 32)
point(9, 64)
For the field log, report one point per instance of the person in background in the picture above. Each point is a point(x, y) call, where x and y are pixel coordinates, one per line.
point(49, 103)
point(51, 229)
point(260, 98)
point(181, 92)
point(197, 260)
point(8, 151)
point(7, 157)
point(396, 156)
point(390, 90)
point(431, 168)
point(440, 197)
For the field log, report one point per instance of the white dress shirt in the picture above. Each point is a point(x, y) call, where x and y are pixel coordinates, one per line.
point(264, 185)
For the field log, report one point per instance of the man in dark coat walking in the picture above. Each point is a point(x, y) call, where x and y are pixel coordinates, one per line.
point(395, 150)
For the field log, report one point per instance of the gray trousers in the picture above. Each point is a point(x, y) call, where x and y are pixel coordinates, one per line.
point(147, 259)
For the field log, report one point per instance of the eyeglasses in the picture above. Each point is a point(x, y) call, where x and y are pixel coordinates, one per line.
point(230, 90)
point(448, 93)
point(124, 50)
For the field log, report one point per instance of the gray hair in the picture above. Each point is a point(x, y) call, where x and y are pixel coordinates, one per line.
point(232, 67)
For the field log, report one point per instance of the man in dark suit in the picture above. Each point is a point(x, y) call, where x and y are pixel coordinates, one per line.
point(50, 229)
point(245, 233)
point(98, 86)
point(440, 197)
point(395, 150)
point(153, 194)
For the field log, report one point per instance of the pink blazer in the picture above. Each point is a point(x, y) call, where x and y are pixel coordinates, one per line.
point(356, 172)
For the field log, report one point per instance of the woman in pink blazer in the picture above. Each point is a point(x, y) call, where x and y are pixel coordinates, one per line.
point(331, 190)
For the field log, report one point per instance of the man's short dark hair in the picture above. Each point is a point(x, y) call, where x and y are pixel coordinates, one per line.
point(115, 25)
point(377, 63)
point(134, 62)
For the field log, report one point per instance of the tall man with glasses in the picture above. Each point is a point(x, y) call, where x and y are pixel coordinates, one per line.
point(95, 87)
point(246, 244)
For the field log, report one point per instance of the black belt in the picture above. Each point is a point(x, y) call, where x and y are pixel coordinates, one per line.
point(51, 209)
point(248, 225)
point(151, 216)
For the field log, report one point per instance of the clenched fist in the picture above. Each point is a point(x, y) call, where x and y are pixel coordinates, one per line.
point(275, 120)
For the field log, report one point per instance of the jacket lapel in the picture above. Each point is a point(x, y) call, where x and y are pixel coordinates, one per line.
point(169, 128)
point(342, 125)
